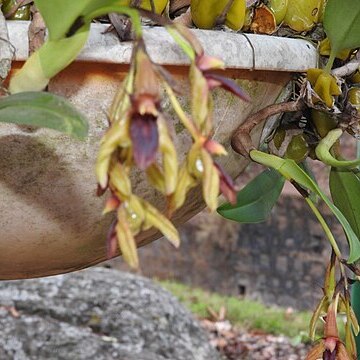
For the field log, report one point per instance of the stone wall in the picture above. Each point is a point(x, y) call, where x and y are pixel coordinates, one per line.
point(280, 262)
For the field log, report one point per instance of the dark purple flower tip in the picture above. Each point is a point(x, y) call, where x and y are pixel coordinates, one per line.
point(227, 186)
point(100, 190)
point(145, 139)
point(111, 241)
point(216, 80)
point(328, 355)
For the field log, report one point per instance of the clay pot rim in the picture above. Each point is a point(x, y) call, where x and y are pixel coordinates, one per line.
point(250, 51)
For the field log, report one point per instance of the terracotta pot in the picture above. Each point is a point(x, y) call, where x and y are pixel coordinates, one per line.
point(51, 219)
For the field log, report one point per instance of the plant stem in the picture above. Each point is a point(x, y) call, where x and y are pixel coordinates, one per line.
point(325, 227)
point(330, 63)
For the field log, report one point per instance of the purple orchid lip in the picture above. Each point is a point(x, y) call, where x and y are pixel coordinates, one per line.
point(145, 138)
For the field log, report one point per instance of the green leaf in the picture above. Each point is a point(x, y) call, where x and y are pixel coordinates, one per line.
point(292, 172)
point(68, 23)
point(43, 110)
point(256, 199)
point(345, 192)
point(342, 24)
point(305, 166)
point(59, 15)
point(324, 147)
point(50, 59)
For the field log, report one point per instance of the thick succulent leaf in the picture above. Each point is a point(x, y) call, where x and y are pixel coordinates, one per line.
point(68, 24)
point(45, 63)
point(342, 24)
point(256, 199)
point(345, 192)
point(59, 15)
point(292, 172)
point(43, 110)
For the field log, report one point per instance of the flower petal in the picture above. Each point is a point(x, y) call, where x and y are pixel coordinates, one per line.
point(228, 85)
point(145, 138)
point(316, 352)
point(111, 242)
point(227, 186)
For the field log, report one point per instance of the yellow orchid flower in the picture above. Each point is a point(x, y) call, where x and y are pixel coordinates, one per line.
point(324, 84)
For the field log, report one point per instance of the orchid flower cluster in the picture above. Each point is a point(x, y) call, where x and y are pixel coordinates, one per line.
point(335, 301)
point(139, 137)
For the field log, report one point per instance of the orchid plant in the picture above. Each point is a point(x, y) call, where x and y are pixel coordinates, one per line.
point(138, 137)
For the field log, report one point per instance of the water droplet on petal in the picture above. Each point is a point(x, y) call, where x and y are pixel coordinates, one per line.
point(199, 165)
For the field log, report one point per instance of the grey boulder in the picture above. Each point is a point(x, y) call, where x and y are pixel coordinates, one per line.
point(97, 314)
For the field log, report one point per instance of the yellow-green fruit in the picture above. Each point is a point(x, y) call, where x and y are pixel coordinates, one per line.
point(279, 8)
point(302, 15)
point(355, 78)
point(23, 13)
point(204, 13)
point(298, 148)
point(322, 10)
point(160, 5)
point(354, 98)
point(325, 50)
point(323, 122)
point(279, 137)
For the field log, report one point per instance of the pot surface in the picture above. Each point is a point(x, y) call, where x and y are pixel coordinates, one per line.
point(51, 218)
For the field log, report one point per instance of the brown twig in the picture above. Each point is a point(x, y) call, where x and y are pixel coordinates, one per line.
point(176, 5)
point(184, 19)
point(122, 26)
point(152, 6)
point(36, 31)
point(241, 141)
point(348, 68)
point(220, 20)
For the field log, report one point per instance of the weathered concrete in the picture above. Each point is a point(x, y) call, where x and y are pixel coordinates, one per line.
point(97, 314)
point(257, 52)
point(5, 49)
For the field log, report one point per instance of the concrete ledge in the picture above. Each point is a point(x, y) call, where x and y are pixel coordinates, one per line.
point(5, 50)
point(264, 52)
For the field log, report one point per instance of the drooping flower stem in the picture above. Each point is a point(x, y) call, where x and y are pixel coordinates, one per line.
point(325, 227)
